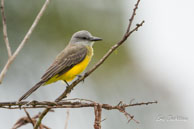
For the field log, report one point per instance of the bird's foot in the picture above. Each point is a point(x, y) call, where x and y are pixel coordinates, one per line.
point(66, 82)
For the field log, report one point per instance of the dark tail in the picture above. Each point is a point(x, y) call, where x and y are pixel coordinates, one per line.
point(34, 88)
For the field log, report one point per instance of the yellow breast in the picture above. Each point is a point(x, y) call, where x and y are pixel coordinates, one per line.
point(76, 70)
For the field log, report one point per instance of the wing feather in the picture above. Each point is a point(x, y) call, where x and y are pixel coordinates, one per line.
point(69, 57)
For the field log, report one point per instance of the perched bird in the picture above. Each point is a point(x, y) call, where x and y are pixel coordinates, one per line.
point(70, 62)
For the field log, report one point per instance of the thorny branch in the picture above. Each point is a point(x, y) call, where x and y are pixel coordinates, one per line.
point(71, 103)
point(111, 50)
point(77, 103)
point(23, 42)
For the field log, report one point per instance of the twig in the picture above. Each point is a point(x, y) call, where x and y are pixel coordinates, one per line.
point(27, 36)
point(81, 100)
point(25, 120)
point(67, 104)
point(38, 123)
point(67, 119)
point(111, 50)
point(29, 117)
point(132, 16)
point(97, 112)
point(5, 29)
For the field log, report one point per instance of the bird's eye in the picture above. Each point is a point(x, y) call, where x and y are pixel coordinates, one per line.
point(84, 37)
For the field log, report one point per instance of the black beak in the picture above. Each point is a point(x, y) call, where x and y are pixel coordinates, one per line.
point(95, 39)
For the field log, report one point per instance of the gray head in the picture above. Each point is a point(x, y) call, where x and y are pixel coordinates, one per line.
point(83, 37)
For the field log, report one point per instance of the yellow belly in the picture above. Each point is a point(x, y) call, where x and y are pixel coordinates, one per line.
point(72, 73)
point(76, 70)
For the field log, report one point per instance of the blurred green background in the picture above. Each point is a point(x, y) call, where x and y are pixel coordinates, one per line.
point(118, 79)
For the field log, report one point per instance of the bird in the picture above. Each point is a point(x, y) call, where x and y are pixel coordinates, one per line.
point(70, 62)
